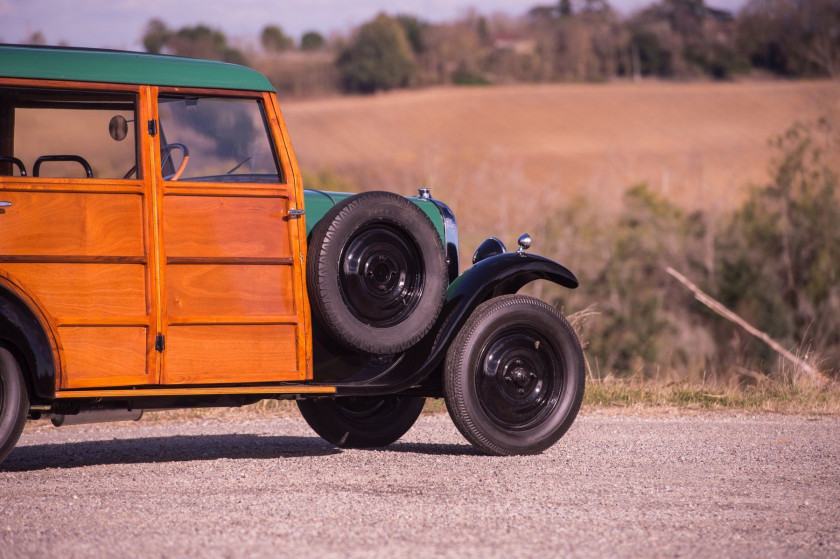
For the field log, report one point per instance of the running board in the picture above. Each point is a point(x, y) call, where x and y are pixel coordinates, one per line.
point(213, 391)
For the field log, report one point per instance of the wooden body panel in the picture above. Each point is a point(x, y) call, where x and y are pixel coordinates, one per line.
point(224, 353)
point(82, 255)
point(216, 269)
point(225, 227)
point(228, 263)
point(214, 290)
point(72, 224)
point(82, 292)
point(104, 356)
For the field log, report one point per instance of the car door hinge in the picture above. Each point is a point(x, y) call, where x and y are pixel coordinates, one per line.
point(160, 342)
point(152, 128)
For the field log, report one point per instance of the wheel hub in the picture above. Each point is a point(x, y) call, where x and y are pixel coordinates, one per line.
point(381, 275)
point(518, 382)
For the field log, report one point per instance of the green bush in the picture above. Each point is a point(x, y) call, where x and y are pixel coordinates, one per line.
point(779, 258)
point(464, 76)
point(775, 262)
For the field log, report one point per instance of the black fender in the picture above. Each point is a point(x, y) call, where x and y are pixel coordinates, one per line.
point(503, 274)
point(23, 334)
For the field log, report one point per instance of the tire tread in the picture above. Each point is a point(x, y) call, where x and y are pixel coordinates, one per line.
point(457, 404)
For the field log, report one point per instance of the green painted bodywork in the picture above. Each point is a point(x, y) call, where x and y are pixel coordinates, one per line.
point(93, 65)
point(318, 202)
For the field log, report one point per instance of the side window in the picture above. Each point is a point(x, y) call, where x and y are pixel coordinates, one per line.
point(67, 133)
point(215, 139)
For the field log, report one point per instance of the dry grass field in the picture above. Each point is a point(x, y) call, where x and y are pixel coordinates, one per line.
point(505, 157)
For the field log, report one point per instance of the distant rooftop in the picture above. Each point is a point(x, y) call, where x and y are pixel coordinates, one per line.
point(110, 66)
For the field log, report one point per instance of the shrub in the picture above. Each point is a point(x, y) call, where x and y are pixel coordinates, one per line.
point(779, 258)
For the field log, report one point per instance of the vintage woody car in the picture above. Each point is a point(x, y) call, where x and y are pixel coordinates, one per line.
point(154, 254)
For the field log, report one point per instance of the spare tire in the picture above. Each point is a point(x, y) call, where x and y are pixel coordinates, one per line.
point(376, 273)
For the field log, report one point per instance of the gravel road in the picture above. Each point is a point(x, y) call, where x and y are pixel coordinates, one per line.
point(616, 485)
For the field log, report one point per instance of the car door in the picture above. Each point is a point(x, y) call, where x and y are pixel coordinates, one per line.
point(231, 264)
point(74, 233)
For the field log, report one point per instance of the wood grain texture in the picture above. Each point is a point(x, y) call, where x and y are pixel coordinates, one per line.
point(69, 186)
point(104, 356)
point(229, 290)
point(297, 229)
point(230, 354)
point(85, 290)
point(115, 262)
point(198, 391)
point(70, 224)
point(149, 153)
point(187, 188)
point(225, 227)
point(24, 82)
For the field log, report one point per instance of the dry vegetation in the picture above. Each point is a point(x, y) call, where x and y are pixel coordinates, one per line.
point(565, 163)
point(505, 158)
point(631, 396)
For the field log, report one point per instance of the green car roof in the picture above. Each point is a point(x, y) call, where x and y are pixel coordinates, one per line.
point(109, 66)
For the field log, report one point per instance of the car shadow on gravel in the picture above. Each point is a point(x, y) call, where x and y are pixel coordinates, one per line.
point(177, 448)
point(435, 449)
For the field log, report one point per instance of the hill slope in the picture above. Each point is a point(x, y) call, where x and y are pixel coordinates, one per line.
point(488, 151)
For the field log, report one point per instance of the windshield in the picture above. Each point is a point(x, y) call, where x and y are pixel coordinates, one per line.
point(223, 139)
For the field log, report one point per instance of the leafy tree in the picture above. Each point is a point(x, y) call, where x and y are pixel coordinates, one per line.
point(414, 31)
point(199, 41)
point(791, 37)
point(156, 36)
point(654, 59)
point(275, 40)
point(312, 40)
point(379, 57)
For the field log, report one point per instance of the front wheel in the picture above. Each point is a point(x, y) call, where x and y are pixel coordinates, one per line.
point(362, 422)
point(14, 402)
point(514, 376)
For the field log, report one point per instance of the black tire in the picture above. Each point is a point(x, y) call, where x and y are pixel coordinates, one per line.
point(362, 422)
point(14, 403)
point(514, 376)
point(376, 273)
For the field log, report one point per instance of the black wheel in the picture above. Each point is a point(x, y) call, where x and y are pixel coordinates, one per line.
point(362, 422)
point(14, 403)
point(514, 378)
point(376, 273)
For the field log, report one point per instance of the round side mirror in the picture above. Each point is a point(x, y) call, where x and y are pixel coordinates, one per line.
point(118, 128)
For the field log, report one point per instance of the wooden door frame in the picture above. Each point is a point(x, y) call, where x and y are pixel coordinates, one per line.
point(291, 189)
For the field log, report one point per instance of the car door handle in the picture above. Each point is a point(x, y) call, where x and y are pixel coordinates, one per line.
point(5, 204)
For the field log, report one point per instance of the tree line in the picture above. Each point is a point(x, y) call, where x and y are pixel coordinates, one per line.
point(572, 40)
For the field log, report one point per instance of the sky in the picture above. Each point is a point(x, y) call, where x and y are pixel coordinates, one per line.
point(120, 23)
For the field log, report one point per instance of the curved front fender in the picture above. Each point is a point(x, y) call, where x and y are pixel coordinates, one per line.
point(508, 273)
